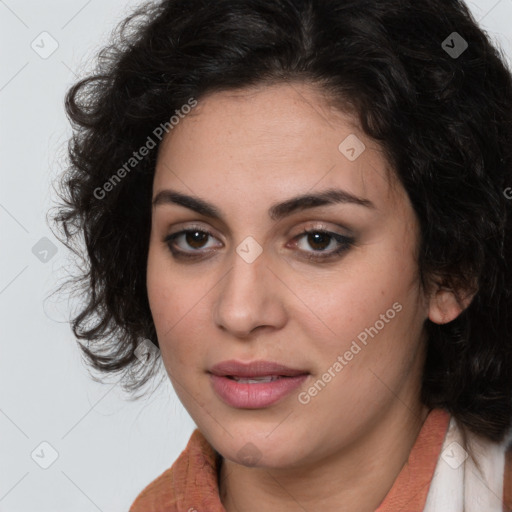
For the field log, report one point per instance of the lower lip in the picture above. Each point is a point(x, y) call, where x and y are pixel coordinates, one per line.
point(255, 395)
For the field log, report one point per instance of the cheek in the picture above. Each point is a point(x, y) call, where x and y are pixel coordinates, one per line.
point(350, 308)
point(162, 290)
point(170, 293)
point(177, 302)
point(158, 288)
point(351, 300)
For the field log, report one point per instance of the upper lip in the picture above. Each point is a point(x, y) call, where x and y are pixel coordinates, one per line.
point(234, 368)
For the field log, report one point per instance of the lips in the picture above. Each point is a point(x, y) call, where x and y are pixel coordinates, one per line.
point(254, 385)
point(254, 370)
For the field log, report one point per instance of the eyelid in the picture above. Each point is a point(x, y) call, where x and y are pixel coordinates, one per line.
point(184, 226)
point(322, 226)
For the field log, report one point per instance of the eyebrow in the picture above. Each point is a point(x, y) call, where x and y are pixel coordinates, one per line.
point(276, 211)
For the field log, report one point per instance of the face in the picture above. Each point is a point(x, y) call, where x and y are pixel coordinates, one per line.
point(341, 305)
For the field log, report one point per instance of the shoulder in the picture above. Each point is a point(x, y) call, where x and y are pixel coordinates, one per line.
point(157, 495)
point(494, 476)
point(165, 492)
point(479, 467)
point(191, 479)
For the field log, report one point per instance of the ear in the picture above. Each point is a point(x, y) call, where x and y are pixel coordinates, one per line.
point(445, 305)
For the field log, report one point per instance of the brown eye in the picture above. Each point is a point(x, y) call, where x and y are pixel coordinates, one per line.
point(188, 242)
point(319, 240)
point(192, 243)
point(196, 239)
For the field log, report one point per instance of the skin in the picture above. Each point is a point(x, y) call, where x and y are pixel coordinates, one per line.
point(243, 151)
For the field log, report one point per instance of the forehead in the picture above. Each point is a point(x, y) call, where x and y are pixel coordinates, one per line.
point(267, 143)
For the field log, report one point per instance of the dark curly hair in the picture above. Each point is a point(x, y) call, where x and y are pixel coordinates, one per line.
point(443, 119)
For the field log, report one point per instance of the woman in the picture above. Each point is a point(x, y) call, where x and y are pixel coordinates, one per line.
point(302, 204)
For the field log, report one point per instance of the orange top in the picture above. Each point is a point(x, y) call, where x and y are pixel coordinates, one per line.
point(191, 483)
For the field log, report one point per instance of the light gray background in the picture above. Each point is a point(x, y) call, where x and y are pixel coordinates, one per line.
point(108, 448)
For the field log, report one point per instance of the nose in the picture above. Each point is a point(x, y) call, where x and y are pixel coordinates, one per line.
point(249, 298)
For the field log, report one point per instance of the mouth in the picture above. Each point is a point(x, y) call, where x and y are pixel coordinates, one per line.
point(255, 370)
point(254, 385)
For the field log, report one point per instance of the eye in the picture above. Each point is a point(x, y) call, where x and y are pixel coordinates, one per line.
point(196, 239)
point(321, 239)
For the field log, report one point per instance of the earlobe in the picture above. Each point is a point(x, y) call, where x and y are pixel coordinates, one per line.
point(444, 306)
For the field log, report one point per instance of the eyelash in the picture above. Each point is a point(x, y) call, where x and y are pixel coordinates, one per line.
point(344, 241)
